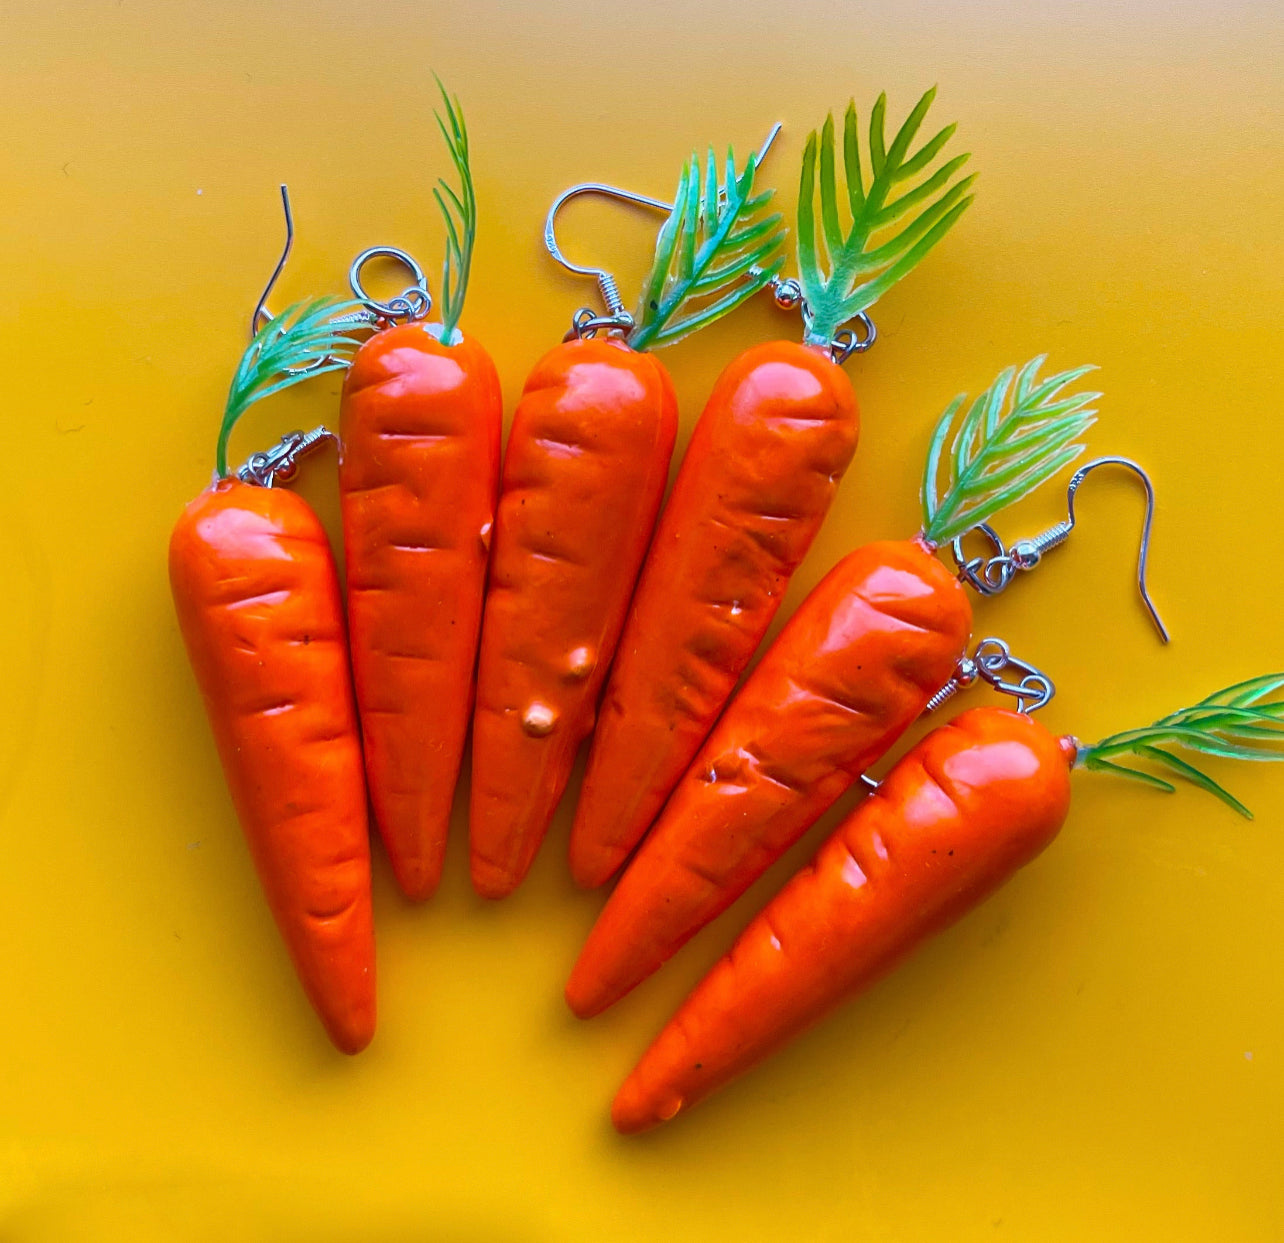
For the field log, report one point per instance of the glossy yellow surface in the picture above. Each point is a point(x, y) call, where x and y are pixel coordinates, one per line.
point(1096, 1054)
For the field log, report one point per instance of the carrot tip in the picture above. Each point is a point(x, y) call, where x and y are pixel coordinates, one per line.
point(632, 1112)
point(582, 1002)
point(591, 869)
point(491, 881)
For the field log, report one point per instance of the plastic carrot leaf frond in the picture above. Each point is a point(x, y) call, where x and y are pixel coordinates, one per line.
point(1241, 722)
point(459, 211)
point(308, 339)
point(1013, 437)
point(715, 250)
point(844, 273)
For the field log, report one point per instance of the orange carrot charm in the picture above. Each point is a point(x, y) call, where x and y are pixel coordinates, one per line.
point(967, 807)
point(584, 474)
point(257, 596)
point(418, 478)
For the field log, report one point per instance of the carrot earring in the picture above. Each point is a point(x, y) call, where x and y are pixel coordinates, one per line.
point(419, 428)
point(257, 596)
point(953, 820)
point(762, 468)
point(860, 660)
point(584, 473)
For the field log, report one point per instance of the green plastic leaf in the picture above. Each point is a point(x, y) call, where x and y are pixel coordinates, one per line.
point(843, 272)
point(1013, 437)
point(716, 249)
point(306, 340)
point(459, 211)
point(1239, 722)
point(1095, 763)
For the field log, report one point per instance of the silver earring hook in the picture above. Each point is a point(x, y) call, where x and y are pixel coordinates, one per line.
point(605, 281)
point(261, 314)
point(1143, 551)
point(617, 315)
point(991, 575)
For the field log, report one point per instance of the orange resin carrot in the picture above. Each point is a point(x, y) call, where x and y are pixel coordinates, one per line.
point(257, 595)
point(587, 461)
point(973, 802)
point(258, 603)
point(418, 478)
point(963, 810)
point(758, 478)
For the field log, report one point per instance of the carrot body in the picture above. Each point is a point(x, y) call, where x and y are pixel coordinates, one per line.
point(418, 477)
point(955, 818)
point(851, 671)
point(584, 474)
point(258, 603)
point(764, 462)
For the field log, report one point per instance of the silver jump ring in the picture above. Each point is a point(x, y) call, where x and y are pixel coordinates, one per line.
point(846, 343)
point(585, 324)
point(987, 575)
point(993, 655)
point(412, 303)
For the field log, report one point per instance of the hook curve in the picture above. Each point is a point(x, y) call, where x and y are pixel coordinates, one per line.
point(605, 281)
point(1143, 552)
point(993, 574)
point(261, 314)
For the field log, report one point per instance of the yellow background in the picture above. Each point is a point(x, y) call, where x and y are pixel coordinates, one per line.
point(1095, 1054)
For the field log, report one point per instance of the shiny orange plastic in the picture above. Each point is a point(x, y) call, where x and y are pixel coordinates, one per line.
point(967, 807)
point(419, 477)
point(258, 602)
point(779, 429)
point(853, 668)
point(584, 475)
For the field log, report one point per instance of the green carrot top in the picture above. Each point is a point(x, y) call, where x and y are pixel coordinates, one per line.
point(843, 274)
point(715, 250)
point(306, 340)
point(1241, 722)
point(459, 211)
point(1003, 449)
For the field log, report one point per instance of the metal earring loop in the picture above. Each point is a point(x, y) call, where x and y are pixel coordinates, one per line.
point(990, 661)
point(412, 303)
point(605, 281)
point(992, 575)
point(846, 342)
point(617, 316)
point(263, 316)
point(986, 575)
point(280, 463)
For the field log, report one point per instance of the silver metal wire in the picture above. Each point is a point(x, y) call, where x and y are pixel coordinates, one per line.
point(280, 463)
point(846, 342)
point(992, 574)
point(992, 662)
point(414, 302)
point(261, 316)
point(617, 318)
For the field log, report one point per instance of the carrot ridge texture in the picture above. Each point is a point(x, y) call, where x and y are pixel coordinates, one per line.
point(583, 477)
point(967, 807)
point(764, 462)
point(420, 430)
point(853, 668)
point(257, 596)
